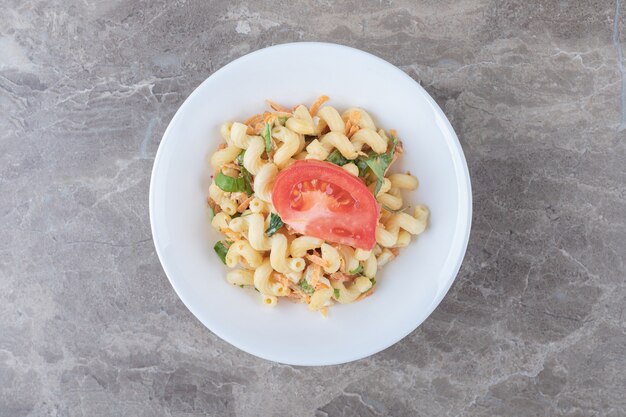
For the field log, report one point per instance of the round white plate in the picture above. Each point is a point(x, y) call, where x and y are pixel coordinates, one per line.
point(409, 288)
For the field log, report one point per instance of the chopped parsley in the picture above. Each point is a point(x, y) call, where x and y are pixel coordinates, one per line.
point(232, 184)
point(266, 134)
point(221, 248)
point(306, 287)
point(337, 293)
point(275, 223)
point(379, 164)
point(357, 270)
point(337, 158)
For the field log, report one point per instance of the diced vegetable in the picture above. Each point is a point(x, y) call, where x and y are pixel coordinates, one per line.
point(232, 184)
point(337, 293)
point(337, 158)
point(357, 270)
point(379, 164)
point(306, 287)
point(239, 158)
point(221, 248)
point(266, 134)
point(275, 224)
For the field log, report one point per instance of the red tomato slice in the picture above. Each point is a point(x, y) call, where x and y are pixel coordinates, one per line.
point(322, 200)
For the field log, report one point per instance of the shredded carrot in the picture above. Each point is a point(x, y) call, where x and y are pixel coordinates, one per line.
point(340, 276)
point(278, 107)
point(252, 120)
point(232, 235)
point(282, 279)
point(320, 286)
point(352, 131)
point(393, 133)
point(315, 276)
point(317, 260)
point(354, 117)
point(315, 106)
point(244, 204)
point(348, 127)
point(269, 117)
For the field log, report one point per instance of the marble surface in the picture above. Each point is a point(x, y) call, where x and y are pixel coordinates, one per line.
point(533, 326)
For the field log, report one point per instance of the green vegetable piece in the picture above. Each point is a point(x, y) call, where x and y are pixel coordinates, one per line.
point(267, 135)
point(306, 287)
point(337, 158)
point(232, 184)
point(337, 293)
point(379, 164)
point(362, 165)
point(357, 270)
point(283, 119)
point(275, 223)
point(221, 248)
point(241, 286)
point(239, 158)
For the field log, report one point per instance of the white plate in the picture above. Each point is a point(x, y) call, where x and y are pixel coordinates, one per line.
point(409, 288)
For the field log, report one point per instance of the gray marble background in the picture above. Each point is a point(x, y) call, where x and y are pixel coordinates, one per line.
point(533, 326)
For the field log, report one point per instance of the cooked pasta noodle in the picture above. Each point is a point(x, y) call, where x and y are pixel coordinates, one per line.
point(291, 143)
point(341, 142)
point(332, 119)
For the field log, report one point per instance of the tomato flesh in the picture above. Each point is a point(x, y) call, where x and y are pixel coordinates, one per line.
point(322, 200)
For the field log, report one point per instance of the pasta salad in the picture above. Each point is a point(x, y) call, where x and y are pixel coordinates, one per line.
point(307, 205)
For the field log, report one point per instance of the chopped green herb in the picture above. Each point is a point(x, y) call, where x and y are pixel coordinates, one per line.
point(337, 293)
point(360, 163)
point(256, 289)
point(283, 119)
point(379, 164)
point(275, 223)
point(337, 158)
point(357, 270)
point(239, 158)
point(221, 248)
point(232, 184)
point(373, 281)
point(240, 285)
point(248, 179)
point(267, 135)
point(394, 211)
point(211, 213)
point(306, 287)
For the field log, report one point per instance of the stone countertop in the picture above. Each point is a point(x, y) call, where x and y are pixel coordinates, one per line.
point(533, 326)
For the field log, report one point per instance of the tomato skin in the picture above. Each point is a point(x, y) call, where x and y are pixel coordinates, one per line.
point(320, 199)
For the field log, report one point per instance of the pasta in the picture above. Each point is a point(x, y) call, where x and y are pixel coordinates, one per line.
point(300, 245)
point(275, 256)
point(291, 143)
point(332, 119)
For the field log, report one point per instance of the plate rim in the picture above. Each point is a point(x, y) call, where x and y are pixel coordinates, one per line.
point(464, 190)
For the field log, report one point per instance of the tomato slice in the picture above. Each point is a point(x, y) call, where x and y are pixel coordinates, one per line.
point(322, 200)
